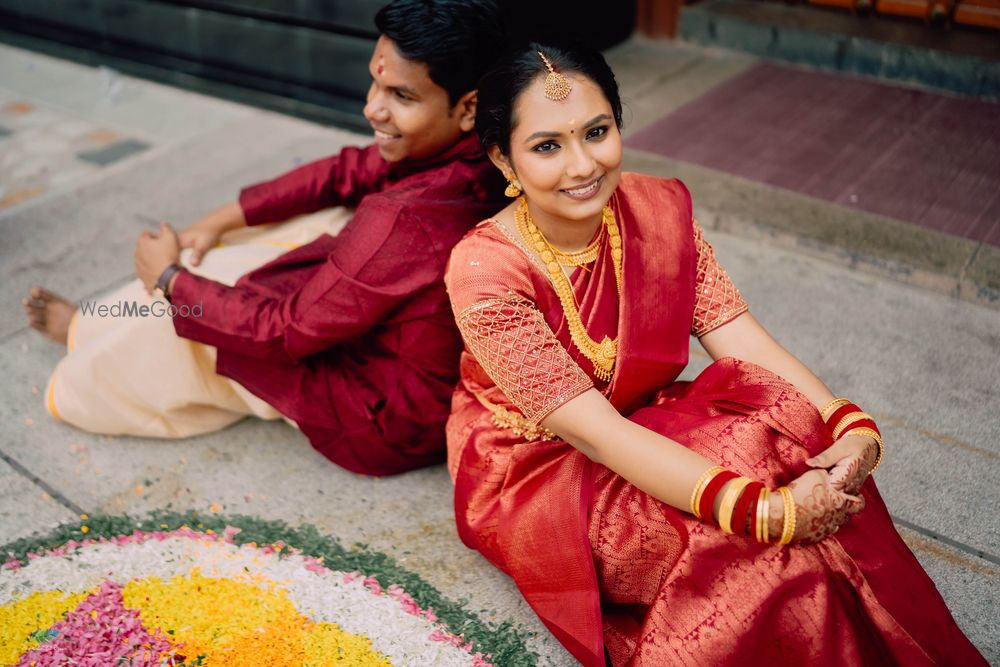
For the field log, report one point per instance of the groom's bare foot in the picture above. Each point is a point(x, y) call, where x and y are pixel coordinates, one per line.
point(49, 314)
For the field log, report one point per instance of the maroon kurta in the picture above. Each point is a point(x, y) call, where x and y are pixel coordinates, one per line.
point(352, 336)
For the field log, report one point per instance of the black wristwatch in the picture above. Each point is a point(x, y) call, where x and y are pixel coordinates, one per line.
point(162, 288)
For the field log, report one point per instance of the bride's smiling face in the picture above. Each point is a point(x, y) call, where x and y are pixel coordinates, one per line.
point(566, 154)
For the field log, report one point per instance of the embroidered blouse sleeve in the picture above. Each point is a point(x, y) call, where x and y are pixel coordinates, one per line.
point(506, 333)
point(717, 301)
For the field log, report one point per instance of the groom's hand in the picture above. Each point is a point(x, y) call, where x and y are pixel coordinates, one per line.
point(154, 253)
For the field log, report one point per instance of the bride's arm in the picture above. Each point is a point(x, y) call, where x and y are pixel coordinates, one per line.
point(668, 471)
point(658, 465)
point(852, 456)
point(745, 339)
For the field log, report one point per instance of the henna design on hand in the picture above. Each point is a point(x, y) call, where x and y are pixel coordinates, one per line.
point(847, 474)
point(849, 461)
point(820, 508)
point(850, 475)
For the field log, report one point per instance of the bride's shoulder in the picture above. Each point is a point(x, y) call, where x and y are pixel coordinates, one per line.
point(635, 181)
point(656, 191)
point(493, 233)
point(486, 235)
point(487, 265)
point(489, 247)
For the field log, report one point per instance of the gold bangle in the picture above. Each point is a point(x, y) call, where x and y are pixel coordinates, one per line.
point(878, 458)
point(831, 407)
point(729, 501)
point(845, 423)
point(789, 530)
point(765, 529)
point(699, 488)
point(873, 434)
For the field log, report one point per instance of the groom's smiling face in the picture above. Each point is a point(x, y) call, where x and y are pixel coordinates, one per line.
point(412, 116)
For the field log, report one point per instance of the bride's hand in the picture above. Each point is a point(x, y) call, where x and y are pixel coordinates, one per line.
point(820, 508)
point(849, 461)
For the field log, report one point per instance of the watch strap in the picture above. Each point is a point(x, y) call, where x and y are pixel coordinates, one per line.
point(163, 282)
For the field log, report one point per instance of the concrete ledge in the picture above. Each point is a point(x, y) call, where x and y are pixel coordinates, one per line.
point(981, 279)
point(962, 268)
point(964, 62)
point(247, 89)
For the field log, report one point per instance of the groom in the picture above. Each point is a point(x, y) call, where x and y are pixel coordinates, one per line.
point(349, 336)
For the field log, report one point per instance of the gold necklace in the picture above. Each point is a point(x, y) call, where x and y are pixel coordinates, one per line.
point(601, 354)
point(581, 257)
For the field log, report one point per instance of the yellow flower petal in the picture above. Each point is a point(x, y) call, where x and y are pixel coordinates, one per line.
point(19, 619)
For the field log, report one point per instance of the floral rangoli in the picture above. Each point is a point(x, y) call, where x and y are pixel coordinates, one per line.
point(185, 590)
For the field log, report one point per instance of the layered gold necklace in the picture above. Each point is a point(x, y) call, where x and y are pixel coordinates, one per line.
point(602, 354)
point(582, 257)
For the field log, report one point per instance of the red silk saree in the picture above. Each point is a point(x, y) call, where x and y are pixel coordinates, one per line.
point(612, 572)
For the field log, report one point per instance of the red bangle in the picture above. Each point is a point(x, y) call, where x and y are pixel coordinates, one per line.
point(840, 413)
point(711, 491)
point(739, 523)
point(752, 512)
point(862, 423)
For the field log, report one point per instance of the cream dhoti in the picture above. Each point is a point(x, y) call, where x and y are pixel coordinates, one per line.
point(130, 374)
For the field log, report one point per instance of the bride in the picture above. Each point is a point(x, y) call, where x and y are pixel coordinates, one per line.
point(726, 521)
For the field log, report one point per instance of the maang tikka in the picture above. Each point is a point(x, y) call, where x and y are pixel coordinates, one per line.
point(557, 86)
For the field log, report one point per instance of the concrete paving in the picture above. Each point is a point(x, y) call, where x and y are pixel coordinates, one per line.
point(658, 78)
point(923, 361)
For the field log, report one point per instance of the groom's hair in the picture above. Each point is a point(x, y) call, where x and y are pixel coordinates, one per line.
point(458, 40)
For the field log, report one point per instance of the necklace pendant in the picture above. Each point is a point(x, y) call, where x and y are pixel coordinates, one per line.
point(603, 354)
point(608, 349)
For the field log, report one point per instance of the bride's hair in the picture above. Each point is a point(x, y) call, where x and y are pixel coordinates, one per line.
point(501, 86)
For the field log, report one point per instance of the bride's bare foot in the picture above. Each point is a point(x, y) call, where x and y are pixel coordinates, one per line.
point(49, 314)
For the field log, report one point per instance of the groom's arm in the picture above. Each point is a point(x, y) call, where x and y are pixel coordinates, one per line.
point(339, 180)
point(379, 261)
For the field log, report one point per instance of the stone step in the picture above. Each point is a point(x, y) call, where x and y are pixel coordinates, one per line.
point(963, 61)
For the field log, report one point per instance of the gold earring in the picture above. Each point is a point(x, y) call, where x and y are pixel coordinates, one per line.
point(513, 187)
